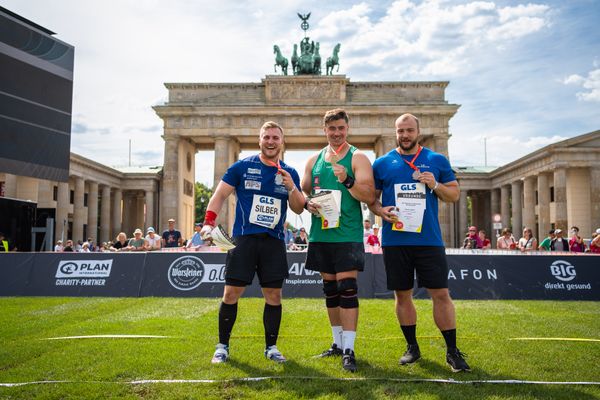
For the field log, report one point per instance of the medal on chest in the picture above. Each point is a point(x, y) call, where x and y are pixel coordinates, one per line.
point(278, 179)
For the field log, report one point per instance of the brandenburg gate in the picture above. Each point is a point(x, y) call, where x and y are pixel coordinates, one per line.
point(226, 117)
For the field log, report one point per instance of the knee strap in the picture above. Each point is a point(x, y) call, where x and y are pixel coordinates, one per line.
point(348, 290)
point(332, 296)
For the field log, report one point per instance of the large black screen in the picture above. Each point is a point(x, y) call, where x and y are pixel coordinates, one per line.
point(36, 92)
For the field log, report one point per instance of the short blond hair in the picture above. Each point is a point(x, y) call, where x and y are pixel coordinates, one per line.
point(408, 115)
point(270, 125)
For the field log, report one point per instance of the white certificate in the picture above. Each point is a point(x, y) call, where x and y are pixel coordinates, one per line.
point(221, 238)
point(330, 202)
point(411, 201)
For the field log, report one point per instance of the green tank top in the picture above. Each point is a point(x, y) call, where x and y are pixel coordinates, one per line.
point(350, 228)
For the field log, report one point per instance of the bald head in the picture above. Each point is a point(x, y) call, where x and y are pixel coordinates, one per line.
point(408, 117)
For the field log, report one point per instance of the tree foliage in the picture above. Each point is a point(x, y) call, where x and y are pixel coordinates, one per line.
point(202, 195)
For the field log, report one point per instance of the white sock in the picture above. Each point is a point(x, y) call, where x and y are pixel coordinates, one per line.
point(348, 339)
point(337, 335)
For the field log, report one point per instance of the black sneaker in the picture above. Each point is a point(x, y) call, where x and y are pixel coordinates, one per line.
point(456, 360)
point(333, 351)
point(349, 361)
point(411, 355)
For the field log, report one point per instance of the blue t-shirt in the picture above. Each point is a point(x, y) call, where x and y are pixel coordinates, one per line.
point(261, 205)
point(389, 170)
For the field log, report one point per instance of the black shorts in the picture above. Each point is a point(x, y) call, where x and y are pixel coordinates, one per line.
point(333, 258)
point(429, 262)
point(261, 254)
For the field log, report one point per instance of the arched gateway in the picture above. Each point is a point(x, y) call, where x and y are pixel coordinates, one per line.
point(226, 117)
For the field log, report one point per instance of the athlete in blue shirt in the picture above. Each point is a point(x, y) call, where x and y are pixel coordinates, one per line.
point(263, 186)
point(411, 179)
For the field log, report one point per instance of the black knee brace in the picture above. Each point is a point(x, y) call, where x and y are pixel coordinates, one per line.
point(348, 290)
point(332, 296)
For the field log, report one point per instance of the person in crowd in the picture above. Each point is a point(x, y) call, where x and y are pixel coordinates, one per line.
point(414, 176)
point(527, 242)
point(137, 242)
point(301, 240)
point(486, 244)
point(120, 243)
point(576, 244)
point(68, 246)
point(373, 239)
point(59, 246)
point(91, 244)
point(559, 243)
point(6, 244)
point(196, 240)
point(153, 241)
point(367, 230)
point(545, 244)
point(288, 233)
point(171, 237)
point(595, 243)
point(337, 249)
point(85, 248)
point(263, 186)
point(473, 238)
point(78, 246)
point(506, 241)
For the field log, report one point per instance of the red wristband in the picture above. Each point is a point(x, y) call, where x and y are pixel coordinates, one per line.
point(210, 217)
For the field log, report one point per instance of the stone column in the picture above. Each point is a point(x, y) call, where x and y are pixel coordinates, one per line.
point(517, 208)
point(462, 215)
point(10, 186)
point(116, 212)
point(495, 209)
point(385, 144)
point(529, 206)
point(149, 208)
point(595, 197)
point(93, 211)
point(543, 206)
point(79, 216)
point(505, 205)
point(170, 184)
point(221, 164)
point(62, 212)
point(560, 198)
point(105, 215)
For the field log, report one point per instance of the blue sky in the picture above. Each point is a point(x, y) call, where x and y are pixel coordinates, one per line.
point(526, 74)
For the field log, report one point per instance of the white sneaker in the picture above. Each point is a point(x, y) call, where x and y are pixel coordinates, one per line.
point(273, 354)
point(221, 354)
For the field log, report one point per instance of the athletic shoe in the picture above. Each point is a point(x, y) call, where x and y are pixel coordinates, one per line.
point(411, 355)
point(221, 354)
point(349, 361)
point(273, 354)
point(456, 360)
point(333, 351)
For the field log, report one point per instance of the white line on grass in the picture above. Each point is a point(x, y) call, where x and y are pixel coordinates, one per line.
point(265, 378)
point(109, 336)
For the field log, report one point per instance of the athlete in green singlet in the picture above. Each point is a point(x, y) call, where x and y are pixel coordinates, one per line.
point(336, 246)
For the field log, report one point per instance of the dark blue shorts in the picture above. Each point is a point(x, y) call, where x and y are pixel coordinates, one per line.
point(429, 262)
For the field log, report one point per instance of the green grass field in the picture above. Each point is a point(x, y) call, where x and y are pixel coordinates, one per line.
point(102, 367)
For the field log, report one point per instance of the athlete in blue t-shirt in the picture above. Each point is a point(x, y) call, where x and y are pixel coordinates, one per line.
point(411, 179)
point(263, 186)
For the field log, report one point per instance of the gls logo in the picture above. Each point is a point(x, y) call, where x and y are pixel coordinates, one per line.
point(408, 186)
point(563, 271)
point(267, 200)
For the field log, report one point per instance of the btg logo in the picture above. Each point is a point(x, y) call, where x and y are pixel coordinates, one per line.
point(563, 271)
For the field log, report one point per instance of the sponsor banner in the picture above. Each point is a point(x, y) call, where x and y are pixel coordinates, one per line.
point(86, 274)
point(15, 269)
point(199, 274)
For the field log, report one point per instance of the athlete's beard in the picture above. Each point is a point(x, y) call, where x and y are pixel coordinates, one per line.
point(409, 147)
point(267, 157)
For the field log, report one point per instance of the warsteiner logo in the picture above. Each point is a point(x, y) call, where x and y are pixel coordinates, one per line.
point(185, 273)
point(563, 271)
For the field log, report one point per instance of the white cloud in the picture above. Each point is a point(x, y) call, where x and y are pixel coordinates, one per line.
point(591, 83)
point(417, 39)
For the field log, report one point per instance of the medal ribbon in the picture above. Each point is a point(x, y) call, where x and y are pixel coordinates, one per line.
point(275, 165)
point(336, 152)
point(411, 163)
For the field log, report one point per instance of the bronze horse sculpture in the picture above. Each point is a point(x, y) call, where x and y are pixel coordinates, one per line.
point(280, 60)
point(333, 60)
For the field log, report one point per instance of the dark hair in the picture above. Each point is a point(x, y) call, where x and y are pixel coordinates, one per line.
point(505, 231)
point(551, 232)
point(334, 115)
